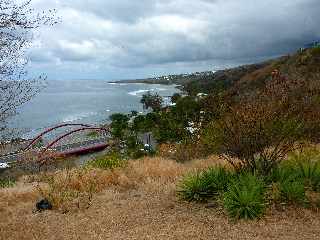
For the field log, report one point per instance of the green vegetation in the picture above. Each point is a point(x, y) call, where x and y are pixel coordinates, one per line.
point(108, 161)
point(292, 191)
point(245, 197)
point(204, 186)
point(153, 101)
point(307, 165)
point(7, 183)
point(258, 117)
point(93, 134)
point(119, 124)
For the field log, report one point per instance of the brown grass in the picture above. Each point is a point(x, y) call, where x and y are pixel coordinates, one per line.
point(137, 202)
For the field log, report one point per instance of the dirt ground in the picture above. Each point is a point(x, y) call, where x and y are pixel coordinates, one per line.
point(148, 211)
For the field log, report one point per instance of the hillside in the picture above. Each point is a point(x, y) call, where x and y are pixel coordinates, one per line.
point(242, 78)
point(302, 65)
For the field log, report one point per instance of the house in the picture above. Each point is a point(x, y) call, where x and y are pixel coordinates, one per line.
point(312, 45)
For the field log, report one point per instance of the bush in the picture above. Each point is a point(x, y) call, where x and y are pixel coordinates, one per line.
point(187, 151)
point(307, 165)
point(7, 183)
point(268, 124)
point(201, 187)
point(288, 184)
point(219, 178)
point(292, 191)
point(109, 161)
point(245, 197)
point(194, 189)
point(284, 172)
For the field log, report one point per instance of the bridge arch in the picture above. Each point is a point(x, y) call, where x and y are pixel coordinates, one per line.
point(39, 136)
point(41, 155)
point(70, 133)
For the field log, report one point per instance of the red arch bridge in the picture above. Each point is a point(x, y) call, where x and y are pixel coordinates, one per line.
point(63, 144)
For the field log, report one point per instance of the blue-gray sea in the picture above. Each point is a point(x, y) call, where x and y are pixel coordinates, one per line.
point(81, 101)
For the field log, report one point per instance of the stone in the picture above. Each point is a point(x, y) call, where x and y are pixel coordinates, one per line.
point(44, 205)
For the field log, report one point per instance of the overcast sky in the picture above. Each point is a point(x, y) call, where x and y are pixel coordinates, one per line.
point(122, 39)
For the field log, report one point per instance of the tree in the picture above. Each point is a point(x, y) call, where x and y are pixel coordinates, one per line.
point(187, 109)
point(119, 124)
point(153, 101)
point(17, 22)
point(175, 97)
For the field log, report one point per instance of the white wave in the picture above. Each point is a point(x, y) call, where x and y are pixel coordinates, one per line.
point(77, 117)
point(136, 93)
point(160, 89)
point(141, 91)
point(118, 84)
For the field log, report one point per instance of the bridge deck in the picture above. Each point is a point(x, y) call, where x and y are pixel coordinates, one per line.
point(63, 150)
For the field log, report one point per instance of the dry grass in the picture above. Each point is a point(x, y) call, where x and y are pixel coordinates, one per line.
point(138, 202)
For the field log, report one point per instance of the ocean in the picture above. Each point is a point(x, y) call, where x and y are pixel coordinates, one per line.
point(81, 101)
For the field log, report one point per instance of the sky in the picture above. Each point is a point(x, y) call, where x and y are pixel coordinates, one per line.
point(129, 39)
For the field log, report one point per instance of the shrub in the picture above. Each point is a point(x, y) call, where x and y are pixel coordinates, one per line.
point(267, 124)
point(201, 187)
point(292, 191)
point(307, 165)
point(282, 174)
point(245, 197)
point(287, 183)
point(194, 189)
point(219, 178)
point(73, 189)
point(7, 183)
point(109, 161)
point(187, 151)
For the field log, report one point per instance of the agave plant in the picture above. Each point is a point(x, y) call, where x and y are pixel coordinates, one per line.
point(201, 187)
point(307, 166)
point(194, 188)
point(245, 197)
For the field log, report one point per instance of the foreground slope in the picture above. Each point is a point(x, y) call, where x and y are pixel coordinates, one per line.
point(140, 203)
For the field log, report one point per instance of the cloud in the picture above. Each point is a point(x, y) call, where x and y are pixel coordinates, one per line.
point(123, 38)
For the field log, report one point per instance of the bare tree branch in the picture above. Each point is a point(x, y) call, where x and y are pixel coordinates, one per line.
point(17, 22)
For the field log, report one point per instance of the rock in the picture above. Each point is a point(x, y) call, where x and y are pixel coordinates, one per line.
point(211, 205)
point(44, 205)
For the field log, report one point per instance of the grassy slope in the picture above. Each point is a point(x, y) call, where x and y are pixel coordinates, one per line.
point(148, 209)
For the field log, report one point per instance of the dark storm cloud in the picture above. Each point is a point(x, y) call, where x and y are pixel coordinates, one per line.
point(146, 34)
